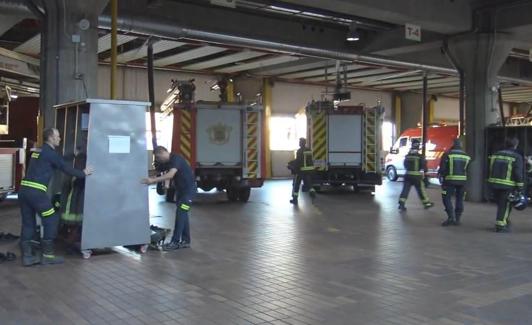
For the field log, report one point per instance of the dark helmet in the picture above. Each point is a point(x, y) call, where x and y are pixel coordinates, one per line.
point(415, 144)
point(518, 200)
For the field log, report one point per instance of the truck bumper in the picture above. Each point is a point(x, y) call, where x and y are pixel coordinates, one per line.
point(346, 176)
point(222, 178)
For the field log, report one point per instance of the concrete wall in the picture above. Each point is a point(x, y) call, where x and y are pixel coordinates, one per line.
point(132, 84)
point(446, 109)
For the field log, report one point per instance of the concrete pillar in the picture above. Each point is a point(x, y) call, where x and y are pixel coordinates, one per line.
point(69, 53)
point(480, 56)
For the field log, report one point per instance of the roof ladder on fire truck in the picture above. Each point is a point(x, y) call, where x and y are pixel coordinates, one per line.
point(370, 143)
point(252, 145)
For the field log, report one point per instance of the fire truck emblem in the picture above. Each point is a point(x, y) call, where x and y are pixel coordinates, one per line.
point(219, 133)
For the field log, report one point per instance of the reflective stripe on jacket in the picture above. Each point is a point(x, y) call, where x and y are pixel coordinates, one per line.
point(453, 167)
point(506, 170)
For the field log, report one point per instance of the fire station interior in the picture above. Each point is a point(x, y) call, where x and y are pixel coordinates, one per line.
point(231, 86)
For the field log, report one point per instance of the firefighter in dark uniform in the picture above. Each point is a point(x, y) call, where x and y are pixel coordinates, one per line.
point(302, 168)
point(506, 174)
point(453, 176)
point(34, 199)
point(179, 170)
point(414, 163)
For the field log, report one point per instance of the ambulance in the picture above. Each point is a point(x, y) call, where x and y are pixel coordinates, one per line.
point(439, 139)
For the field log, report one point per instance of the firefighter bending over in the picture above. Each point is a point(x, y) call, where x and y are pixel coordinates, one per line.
point(302, 168)
point(414, 163)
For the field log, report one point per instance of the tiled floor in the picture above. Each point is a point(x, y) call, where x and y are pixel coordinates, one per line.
point(348, 259)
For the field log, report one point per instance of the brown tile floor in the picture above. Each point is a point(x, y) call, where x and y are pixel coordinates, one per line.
point(348, 259)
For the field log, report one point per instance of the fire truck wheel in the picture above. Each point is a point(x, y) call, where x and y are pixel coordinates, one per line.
point(232, 194)
point(391, 173)
point(243, 194)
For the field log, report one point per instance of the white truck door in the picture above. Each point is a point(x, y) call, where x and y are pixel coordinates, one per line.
point(218, 137)
point(345, 140)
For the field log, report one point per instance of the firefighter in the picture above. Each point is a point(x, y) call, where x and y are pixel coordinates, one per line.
point(506, 174)
point(33, 199)
point(179, 170)
point(302, 168)
point(414, 163)
point(453, 176)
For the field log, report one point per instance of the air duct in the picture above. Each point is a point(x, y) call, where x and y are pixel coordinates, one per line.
point(166, 28)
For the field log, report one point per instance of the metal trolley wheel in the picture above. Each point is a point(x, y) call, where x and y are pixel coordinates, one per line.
point(143, 248)
point(86, 254)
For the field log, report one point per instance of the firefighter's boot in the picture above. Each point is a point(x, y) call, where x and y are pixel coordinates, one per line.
point(312, 193)
point(28, 257)
point(48, 255)
point(449, 222)
point(457, 219)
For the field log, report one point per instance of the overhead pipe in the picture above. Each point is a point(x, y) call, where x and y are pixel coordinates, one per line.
point(166, 28)
point(462, 88)
point(501, 106)
point(151, 93)
point(114, 50)
point(424, 116)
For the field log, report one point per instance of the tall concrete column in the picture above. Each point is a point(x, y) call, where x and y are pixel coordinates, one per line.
point(70, 58)
point(480, 55)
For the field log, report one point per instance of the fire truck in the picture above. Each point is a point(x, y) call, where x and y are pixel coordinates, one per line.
point(223, 143)
point(346, 144)
point(11, 169)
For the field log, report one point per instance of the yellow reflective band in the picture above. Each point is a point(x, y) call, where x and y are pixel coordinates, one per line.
point(48, 213)
point(456, 177)
point(34, 185)
point(458, 156)
point(520, 184)
point(307, 168)
point(185, 207)
point(413, 173)
point(512, 159)
point(501, 181)
point(35, 155)
point(506, 212)
point(444, 192)
point(509, 172)
point(501, 223)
